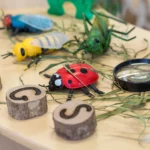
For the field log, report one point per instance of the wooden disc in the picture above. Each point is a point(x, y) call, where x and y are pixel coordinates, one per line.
point(26, 101)
point(74, 120)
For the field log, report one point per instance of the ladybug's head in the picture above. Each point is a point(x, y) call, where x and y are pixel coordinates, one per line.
point(7, 21)
point(55, 82)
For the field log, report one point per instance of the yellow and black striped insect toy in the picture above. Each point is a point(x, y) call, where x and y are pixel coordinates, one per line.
point(32, 47)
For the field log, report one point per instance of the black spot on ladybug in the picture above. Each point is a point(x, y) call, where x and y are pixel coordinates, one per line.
point(69, 81)
point(83, 70)
point(72, 70)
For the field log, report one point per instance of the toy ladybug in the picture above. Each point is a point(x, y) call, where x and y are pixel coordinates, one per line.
point(82, 75)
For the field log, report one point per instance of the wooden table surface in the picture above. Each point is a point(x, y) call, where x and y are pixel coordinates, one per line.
point(38, 133)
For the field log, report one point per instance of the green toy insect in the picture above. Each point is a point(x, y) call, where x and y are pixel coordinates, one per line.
point(99, 36)
point(56, 7)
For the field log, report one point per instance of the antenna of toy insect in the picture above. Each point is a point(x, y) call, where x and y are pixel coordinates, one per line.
point(7, 55)
point(43, 85)
point(2, 28)
point(2, 16)
point(85, 25)
point(47, 76)
point(5, 28)
point(86, 18)
point(106, 16)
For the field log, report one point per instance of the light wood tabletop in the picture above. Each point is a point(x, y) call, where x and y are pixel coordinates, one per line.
point(38, 133)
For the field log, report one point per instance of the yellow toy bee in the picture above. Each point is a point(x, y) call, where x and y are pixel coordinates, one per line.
point(32, 47)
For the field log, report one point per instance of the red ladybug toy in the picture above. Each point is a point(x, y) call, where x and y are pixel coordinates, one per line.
point(83, 75)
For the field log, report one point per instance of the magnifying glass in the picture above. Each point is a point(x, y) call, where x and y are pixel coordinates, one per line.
point(133, 75)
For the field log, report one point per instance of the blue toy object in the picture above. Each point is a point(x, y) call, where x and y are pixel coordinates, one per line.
point(82, 6)
point(27, 23)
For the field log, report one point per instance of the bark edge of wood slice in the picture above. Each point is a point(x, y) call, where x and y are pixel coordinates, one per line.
point(26, 101)
point(74, 120)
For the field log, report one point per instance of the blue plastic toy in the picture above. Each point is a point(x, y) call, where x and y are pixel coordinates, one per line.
point(27, 23)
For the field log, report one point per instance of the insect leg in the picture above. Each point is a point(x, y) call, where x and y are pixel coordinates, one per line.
point(37, 60)
point(15, 32)
point(85, 25)
point(106, 16)
point(44, 50)
point(108, 40)
point(93, 87)
point(29, 65)
point(123, 38)
point(70, 95)
point(47, 76)
point(123, 33)
point(89, 22)
point(85, 90)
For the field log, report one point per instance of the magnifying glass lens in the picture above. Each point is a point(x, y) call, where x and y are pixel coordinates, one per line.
point(136, 73)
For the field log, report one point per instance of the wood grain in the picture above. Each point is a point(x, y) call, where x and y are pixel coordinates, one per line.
point(23, 103)
point(74, 120)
